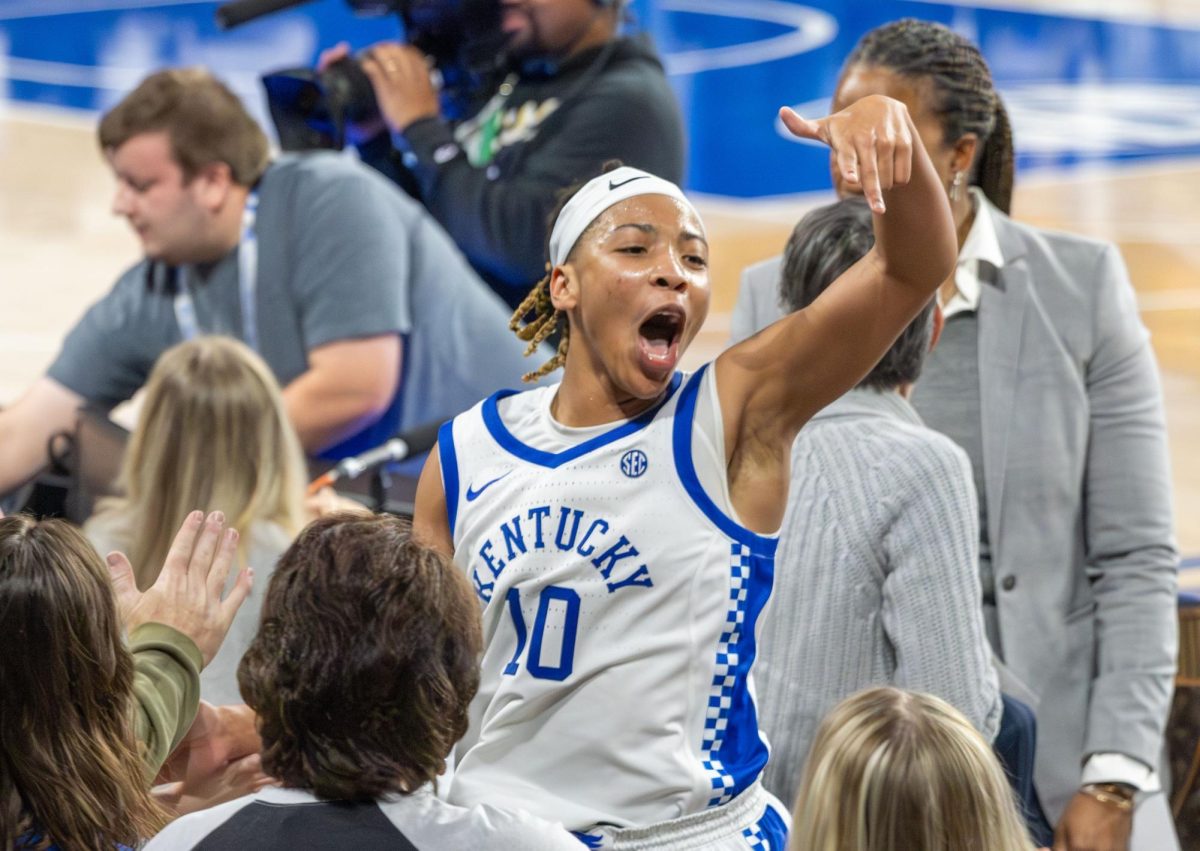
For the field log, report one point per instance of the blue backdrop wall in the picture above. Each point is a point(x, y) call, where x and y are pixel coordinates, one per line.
point(1078, 90)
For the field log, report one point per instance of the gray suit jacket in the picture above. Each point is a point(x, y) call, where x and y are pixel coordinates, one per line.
point(1078, 493)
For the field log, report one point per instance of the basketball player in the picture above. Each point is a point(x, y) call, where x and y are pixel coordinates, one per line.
point(618, 528)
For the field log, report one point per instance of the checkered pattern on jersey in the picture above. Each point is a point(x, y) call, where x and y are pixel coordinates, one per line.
point(720, 700)
point(758, 840)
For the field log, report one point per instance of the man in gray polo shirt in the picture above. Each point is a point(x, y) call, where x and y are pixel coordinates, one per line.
point(360, 303)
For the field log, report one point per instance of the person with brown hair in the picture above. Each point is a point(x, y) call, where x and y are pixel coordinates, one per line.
point(896, 770)
point(87, 721)
point(620, 528)
point(347, 288)
point(1045, 376)
point(212, 432)
point(362, 671)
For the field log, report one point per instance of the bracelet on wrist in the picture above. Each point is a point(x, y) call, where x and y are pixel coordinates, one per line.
point(1119, 795)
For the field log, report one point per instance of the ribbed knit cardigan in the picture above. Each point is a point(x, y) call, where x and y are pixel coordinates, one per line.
point(876, 577)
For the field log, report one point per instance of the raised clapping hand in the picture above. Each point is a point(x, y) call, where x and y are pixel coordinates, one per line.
point(187, 593)
point(872, 140)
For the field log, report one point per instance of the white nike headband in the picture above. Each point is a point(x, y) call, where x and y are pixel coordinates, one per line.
point(596, 196)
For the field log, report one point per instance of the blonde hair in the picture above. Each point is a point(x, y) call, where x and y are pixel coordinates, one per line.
point(893, 770)
point(213, 434)
point(546, 320)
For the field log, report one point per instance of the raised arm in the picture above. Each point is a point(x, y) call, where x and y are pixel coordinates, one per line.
point(771, 384)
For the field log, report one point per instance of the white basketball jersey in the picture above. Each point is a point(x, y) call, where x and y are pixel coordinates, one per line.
point(620, 610)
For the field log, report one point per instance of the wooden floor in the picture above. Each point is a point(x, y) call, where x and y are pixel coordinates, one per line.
point(60, 249)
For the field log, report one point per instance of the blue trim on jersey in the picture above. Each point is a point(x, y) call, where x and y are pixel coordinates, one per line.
point(732, 748)
point(553, 460)
point(733, 752)
point(449, 460)
point(770, 833)
point(685, 415)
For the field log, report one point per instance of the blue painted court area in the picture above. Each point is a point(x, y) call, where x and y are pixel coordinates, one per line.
point(1079, 91)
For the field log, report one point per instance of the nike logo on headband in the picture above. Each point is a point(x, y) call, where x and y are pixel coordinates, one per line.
point(612, 185)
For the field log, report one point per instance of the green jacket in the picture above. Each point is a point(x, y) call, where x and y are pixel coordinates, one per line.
point(166, 687)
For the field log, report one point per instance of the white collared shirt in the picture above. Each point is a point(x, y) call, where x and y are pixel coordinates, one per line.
point(981, 246)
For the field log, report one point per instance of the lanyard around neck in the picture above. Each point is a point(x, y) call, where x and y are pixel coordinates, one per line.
point(185, 307)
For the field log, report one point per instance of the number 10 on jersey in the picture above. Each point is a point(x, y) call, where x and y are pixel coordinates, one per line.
point(564, 601)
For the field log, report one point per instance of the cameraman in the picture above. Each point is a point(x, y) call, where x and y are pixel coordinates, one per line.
point(576, 94)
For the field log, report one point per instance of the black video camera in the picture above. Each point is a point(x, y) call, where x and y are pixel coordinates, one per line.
point(314, 109)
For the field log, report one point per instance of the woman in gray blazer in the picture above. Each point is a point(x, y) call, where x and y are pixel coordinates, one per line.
point(1045, 376)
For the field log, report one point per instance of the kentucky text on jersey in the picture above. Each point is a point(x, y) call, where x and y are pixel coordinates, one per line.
point(567, 530)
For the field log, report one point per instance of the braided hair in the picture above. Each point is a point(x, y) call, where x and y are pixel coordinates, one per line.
point(965, 98)
point(547, 319)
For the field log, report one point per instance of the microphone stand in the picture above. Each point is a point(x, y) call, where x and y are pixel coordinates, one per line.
point(379, 461)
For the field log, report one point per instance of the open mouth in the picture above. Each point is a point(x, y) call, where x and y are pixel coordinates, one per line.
point(659, 337)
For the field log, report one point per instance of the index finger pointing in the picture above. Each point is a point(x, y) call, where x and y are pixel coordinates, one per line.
point(869, 173)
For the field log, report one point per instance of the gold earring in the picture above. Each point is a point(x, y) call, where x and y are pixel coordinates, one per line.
point(956, 186)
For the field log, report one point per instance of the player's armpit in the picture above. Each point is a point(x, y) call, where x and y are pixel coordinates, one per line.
point(431, 524)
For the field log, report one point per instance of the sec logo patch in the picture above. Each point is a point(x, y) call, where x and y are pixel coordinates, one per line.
point(634, 463)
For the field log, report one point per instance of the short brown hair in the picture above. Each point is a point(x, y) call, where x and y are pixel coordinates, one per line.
point(204, 120)
point(365, 662)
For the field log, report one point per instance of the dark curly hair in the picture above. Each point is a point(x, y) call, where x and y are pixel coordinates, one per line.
point(365, 662)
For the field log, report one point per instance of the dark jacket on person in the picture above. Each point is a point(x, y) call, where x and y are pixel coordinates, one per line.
point(492, 179)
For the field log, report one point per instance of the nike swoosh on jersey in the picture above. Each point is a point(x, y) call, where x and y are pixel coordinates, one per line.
point(473, 494)
point(612, 185)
